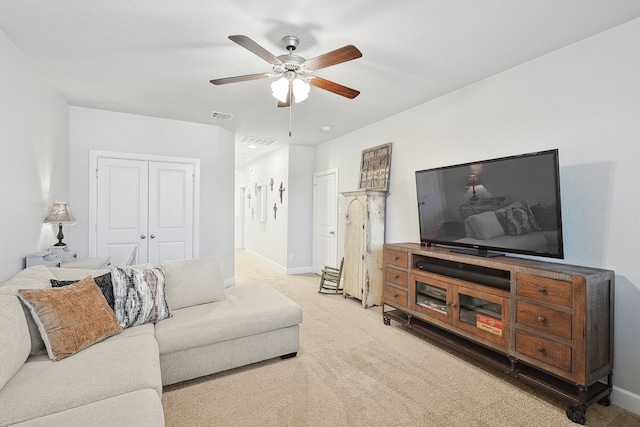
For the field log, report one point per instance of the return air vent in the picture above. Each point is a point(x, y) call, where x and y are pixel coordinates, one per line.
point(221, 116)
point(256, 140)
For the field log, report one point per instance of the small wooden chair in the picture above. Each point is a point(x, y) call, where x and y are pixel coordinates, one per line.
point(330, 279)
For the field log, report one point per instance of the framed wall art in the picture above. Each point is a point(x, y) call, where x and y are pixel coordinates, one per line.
point(375, 167)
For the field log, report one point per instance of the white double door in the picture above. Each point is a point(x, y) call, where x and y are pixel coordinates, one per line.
point(144, 210)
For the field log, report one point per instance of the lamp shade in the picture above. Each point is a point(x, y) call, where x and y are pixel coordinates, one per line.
point(473, 180)
point(300, 90)
point(61, 214)
point(280, 89)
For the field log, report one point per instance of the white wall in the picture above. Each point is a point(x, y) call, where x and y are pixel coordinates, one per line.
point(583, 100)
point(268, 239)
point(127, 133)
point(300, 209)
point(34, 124)
point(285, 241)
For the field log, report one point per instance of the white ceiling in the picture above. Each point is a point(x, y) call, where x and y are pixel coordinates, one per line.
point(156, 57)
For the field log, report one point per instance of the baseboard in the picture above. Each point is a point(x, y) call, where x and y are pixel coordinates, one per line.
point(280, 269)
point(230, 281)
point(299, 270)
point(626, 399)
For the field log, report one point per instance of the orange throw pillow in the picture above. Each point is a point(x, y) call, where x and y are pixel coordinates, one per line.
point(71, 318)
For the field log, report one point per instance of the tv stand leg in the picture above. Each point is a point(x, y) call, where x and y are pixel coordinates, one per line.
point(577, 413)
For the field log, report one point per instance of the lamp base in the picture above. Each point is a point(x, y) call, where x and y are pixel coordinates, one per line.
point(60, 244)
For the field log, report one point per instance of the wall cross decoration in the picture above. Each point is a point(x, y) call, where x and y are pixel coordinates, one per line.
point(271, 184)
point(275, 209)
point(281, 190)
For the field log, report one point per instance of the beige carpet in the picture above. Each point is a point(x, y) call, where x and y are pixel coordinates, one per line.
point(352, 370)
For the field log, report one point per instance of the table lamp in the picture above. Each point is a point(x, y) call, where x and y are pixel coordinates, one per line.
point(60, 214)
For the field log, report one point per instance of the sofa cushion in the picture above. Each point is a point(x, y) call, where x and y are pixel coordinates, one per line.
point(103, 282)
point(193, 281)
point(486, 225)
point(139, 296)
point(14, 336)
point(140, 408)
point(38, 272)
point(110, 368)
point(546, 217)
point(71, 318)
point(11, 288)
point(247, 310)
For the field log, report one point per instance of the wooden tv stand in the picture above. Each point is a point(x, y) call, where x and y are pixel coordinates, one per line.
point(547, 324)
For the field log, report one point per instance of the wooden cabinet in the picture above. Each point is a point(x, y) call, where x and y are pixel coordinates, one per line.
point(363, 245)
point(547, 324)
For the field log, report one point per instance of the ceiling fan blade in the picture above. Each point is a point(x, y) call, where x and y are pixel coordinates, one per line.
point(334, 87)
point(344, 54)
point(236, 79)
point(255, 48)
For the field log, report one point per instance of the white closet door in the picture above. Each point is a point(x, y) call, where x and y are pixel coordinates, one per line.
point(170, 211)
point(145, 211)
point(122, 209)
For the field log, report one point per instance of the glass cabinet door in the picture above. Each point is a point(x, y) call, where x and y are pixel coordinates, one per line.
point(483, 314)
point(430, 297)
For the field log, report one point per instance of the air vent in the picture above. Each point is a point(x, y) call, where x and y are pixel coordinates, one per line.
point(256, 140)
point(221, 116)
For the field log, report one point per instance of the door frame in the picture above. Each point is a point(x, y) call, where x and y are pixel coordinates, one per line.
point(314, 254)
point(94, 155)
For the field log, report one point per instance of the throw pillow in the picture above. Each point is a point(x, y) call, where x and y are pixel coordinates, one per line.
point(518, 221)
point(486, 225)
point(193, 281)
point(103, 282)
point(139, 296)
point(70, 318)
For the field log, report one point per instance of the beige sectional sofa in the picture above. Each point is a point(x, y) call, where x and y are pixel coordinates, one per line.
point(118, 381)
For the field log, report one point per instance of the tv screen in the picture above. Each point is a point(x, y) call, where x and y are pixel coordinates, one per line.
point(509, 204)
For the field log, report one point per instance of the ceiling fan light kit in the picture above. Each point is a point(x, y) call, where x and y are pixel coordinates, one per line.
point(290, 83)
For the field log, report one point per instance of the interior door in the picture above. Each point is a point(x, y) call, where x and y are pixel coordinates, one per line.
point(170, 212)
point(122, 210)
point(325, 220)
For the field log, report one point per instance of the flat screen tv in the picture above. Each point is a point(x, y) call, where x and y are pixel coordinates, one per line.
point(486, 208)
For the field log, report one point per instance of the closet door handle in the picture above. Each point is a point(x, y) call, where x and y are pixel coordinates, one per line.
point(153, 236)
point(142, 236)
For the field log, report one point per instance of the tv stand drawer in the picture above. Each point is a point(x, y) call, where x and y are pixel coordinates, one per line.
point(544, 319)
point(545, 289)
point(544, 350)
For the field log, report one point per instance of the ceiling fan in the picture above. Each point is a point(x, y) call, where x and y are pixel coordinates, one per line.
point(295, 72)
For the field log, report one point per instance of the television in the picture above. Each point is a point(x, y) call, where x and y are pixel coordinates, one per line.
point(492, 207)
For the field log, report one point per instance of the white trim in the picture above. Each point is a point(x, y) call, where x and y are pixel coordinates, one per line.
point(280, 269)
point(625, 399)
point(314, 255)
point(300, 270)
point(94, 155)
